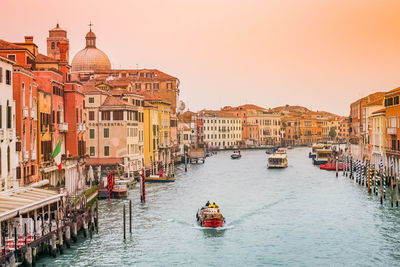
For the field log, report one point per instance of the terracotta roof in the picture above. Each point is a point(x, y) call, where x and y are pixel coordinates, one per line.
point(90, 88)
point(379, 111)
point(157, 74)
point(147, 104)
point(114, 101)
point(4, 45)
point(118, 83)
point(378, 101)
point(103, 161)
point(243, 107)
point(217, 113)
point(45, 59)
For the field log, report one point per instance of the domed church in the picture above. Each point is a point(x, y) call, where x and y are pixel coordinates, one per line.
point(90, 59)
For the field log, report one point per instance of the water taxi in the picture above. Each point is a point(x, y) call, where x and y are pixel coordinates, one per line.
point(236, 154)
point(314, 148)
point(322, 157)
point(210, 216)
point(278, 160)
point(159, 179)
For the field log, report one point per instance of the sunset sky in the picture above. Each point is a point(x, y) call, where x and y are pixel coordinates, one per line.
point(316, 53)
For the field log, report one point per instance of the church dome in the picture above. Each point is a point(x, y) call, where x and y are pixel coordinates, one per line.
point(90, 59)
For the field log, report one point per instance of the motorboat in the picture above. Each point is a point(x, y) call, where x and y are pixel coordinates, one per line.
point(210, 216)
point(236, 154)
point(159, 179)
point(331, 166)
point(322, 156)
point(278, 160)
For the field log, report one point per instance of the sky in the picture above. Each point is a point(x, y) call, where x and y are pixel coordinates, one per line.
point(319, 54)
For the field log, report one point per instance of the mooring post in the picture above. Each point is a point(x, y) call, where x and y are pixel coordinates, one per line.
point(369, 179)
point(60, 239)
point(337, 166)
point(85, 226)
point(68, 235)
point(397, 190)
point(34, 253)
point(185, 162)
point(124, 218)
point(74, 230)
point(28, 256)
point(97, 216)
point(130, 216)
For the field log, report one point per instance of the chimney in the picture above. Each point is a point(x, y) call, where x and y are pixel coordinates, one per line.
point(29, 39)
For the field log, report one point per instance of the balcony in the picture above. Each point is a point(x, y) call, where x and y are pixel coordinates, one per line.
point(33, 154)
point(10, 134)
point(63, 127)
point(33, 114)
point(391, 130)
point(25, 112)
point(26, 156)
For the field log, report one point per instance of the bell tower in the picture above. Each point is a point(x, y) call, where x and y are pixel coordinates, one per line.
point(58, 44)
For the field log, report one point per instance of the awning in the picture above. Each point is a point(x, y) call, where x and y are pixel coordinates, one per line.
point(25, 199)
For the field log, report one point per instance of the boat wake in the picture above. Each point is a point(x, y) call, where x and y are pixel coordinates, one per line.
point(254, 212)
point(198, 227)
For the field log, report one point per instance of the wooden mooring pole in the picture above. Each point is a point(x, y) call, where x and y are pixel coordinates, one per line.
point(130, 216)
point(124, 224)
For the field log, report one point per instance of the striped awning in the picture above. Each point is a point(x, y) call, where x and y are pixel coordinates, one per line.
point(22, 200)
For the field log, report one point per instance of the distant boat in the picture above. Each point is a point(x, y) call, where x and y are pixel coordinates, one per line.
point(159, 179)
point(278, 159)
point(236, 154)
point(331, 166)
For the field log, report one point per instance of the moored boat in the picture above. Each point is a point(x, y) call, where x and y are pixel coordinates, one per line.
point(159, 179)
point(236, 154)
point(314, 148)
point(210, 216)
point(322, 157)
point(331, 166)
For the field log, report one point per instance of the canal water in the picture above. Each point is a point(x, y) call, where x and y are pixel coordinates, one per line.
point(298, 216)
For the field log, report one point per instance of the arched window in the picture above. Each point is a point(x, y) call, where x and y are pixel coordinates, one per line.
point(8, 160)
point(52, 45)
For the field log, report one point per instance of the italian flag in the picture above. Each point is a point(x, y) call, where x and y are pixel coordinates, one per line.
point(57, 155)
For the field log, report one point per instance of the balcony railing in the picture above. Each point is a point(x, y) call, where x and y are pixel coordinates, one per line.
point(10, 134)
point(63, 127)
point(26, 155)
point(33, 154)
point(81, 127)
point(33, 114)
point(392, 151)
point(1, 134)
point(25, 112)
point(391, 130)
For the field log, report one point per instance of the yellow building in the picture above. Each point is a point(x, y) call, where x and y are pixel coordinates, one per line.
point(151, 130)
point(164, 132)
point(44, 136)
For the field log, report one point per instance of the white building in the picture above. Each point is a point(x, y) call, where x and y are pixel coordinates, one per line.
point(8, 155)
point(221, 129)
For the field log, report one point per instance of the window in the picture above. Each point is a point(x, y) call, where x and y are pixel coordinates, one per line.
point(91, 100)
point(396, 100)
point(169, 85)
point(156, 86)
point(11, 57)
point(9, 113)
point(8, 160)
point(138, 86)
point(105, 115)
point(106, 151)
point(92, 151)
point(118, 115)
point(148, 86)
point(106, 132)
point(1, 74)
point(8, 77)
point(91, 133)
point(91, 115)
point(52, 45)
